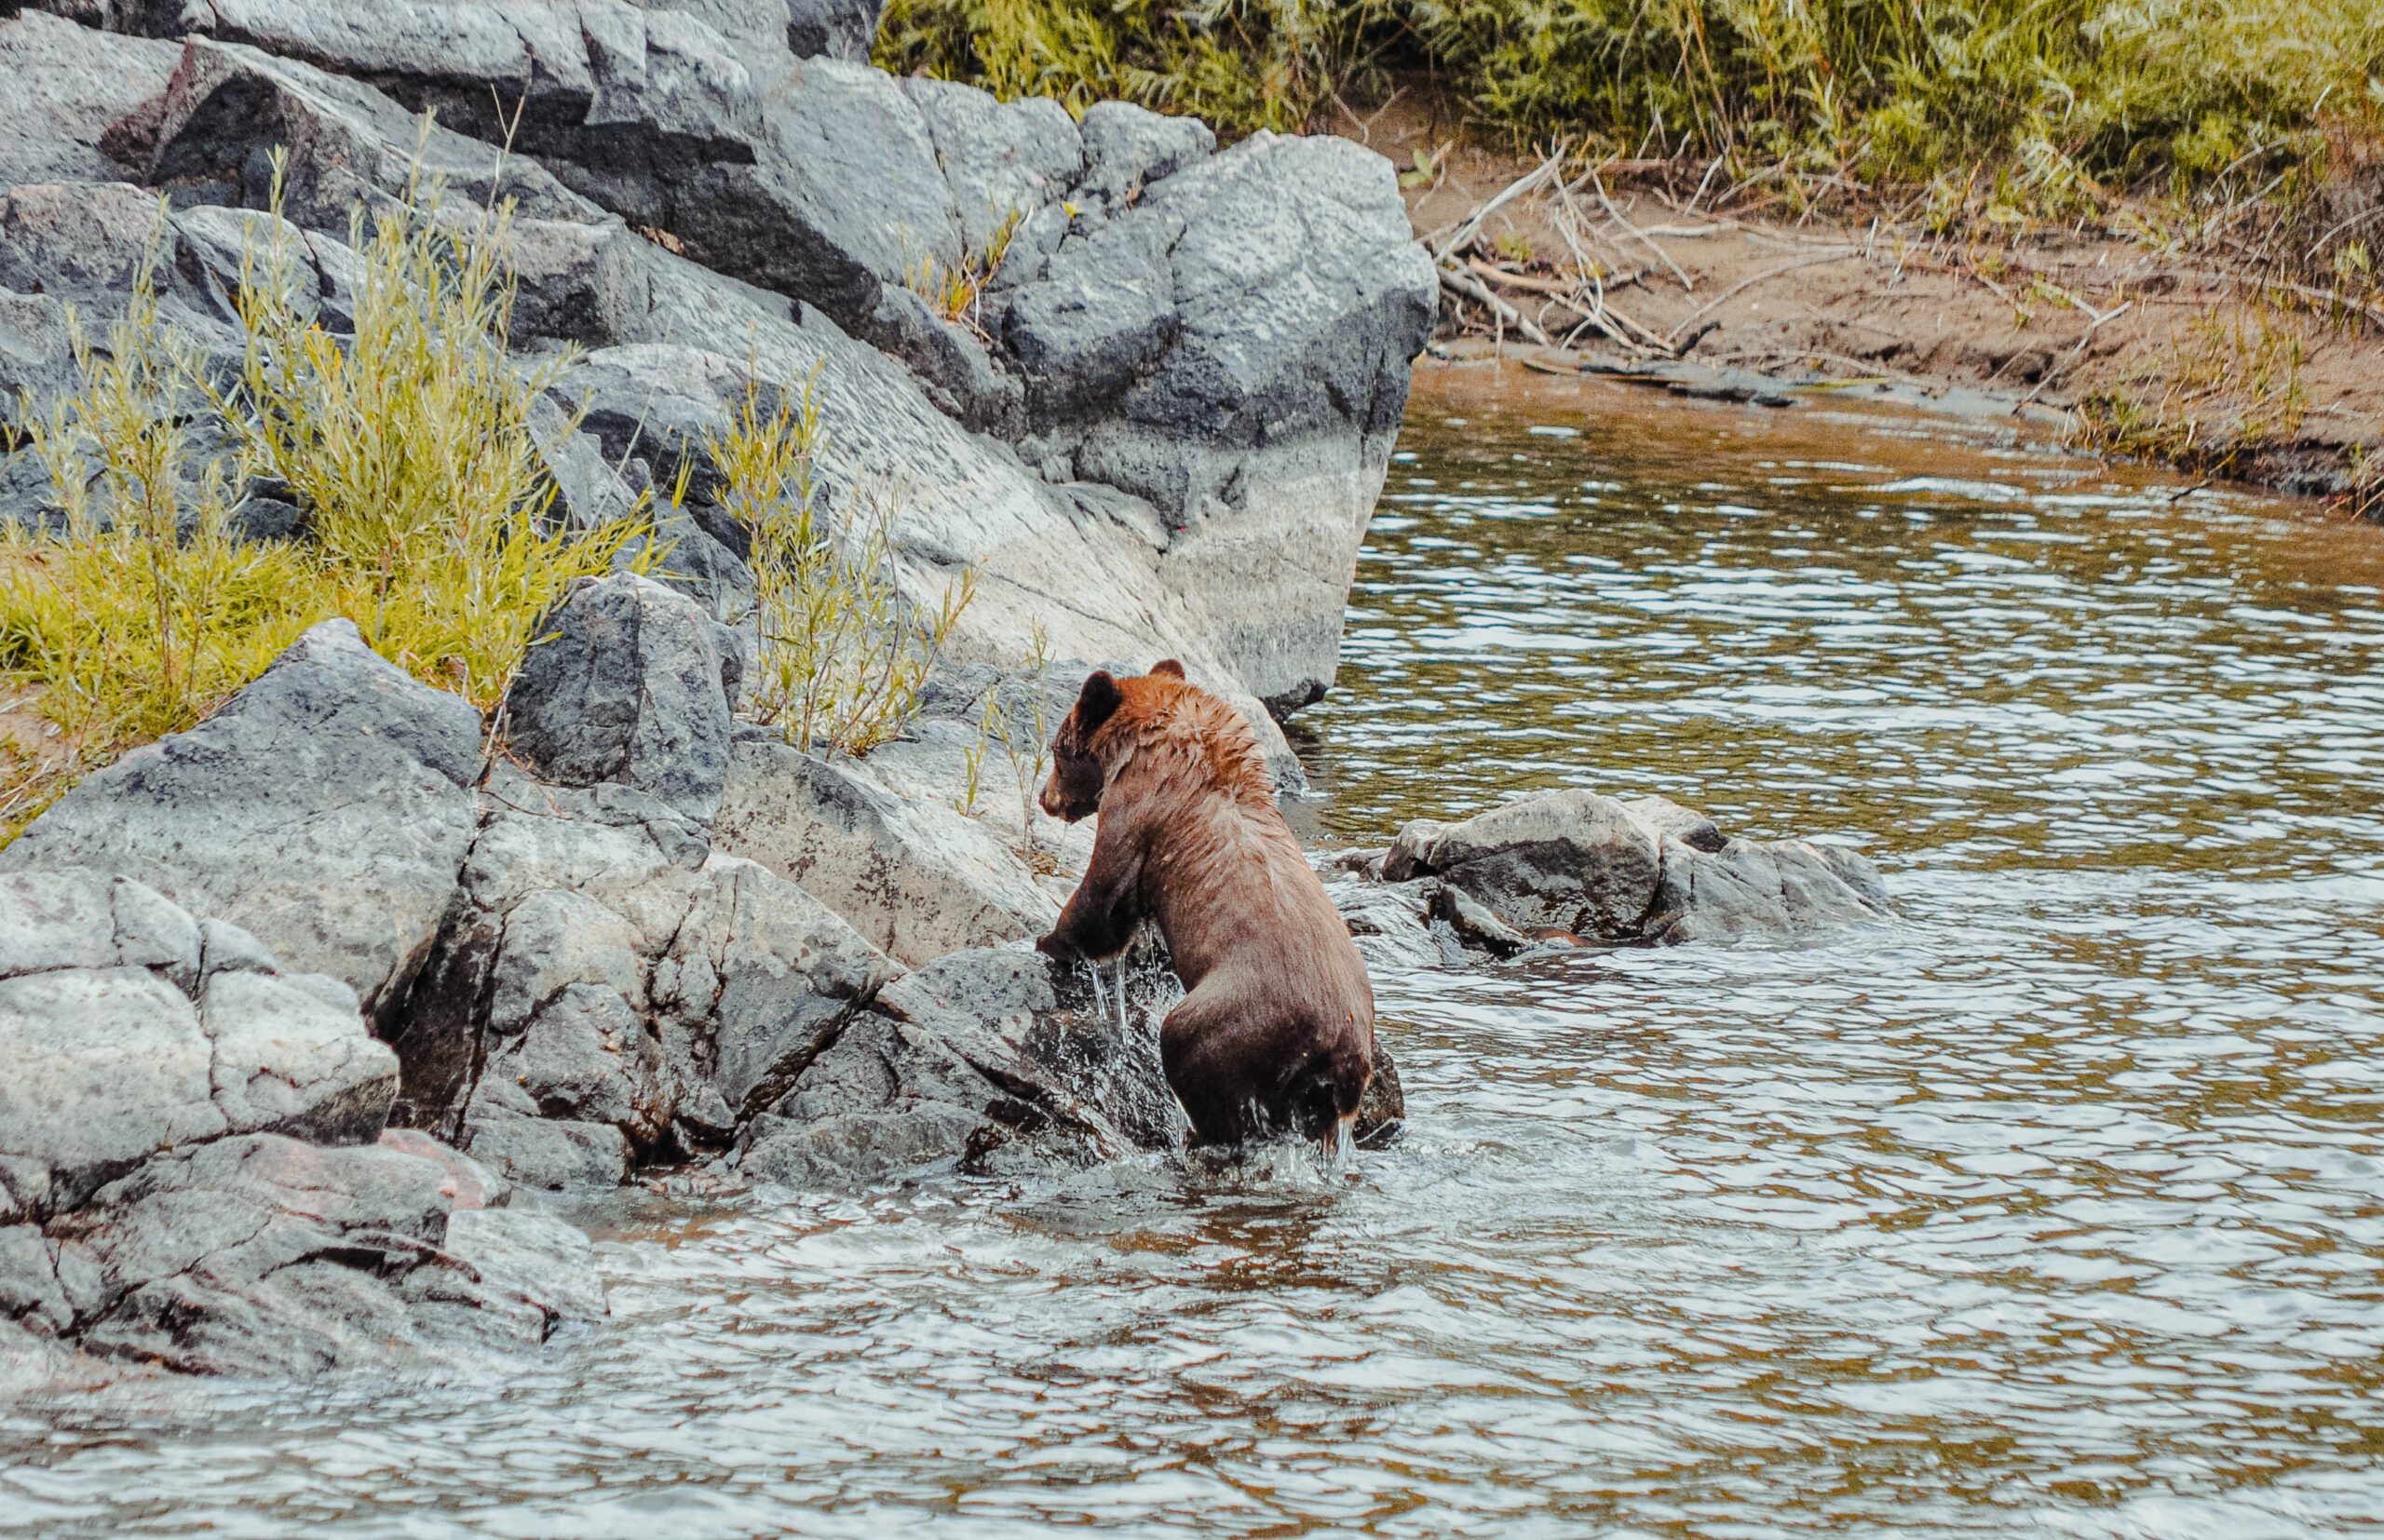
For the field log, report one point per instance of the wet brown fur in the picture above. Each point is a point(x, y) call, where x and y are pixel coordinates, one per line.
point(1275, 1032)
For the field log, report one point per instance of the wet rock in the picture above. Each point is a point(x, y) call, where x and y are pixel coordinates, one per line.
point(627, 688)
point(262, 1255)
point(1761, 889)
point(1390, 924)
point(984, 1060)
point(326, 809)
point(1572, 861)
point(505, 1127)
point(1574, 865)
point(911, 874)
point(1382, 1116)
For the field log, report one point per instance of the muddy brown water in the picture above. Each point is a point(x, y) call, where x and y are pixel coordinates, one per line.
point(2055, 1208)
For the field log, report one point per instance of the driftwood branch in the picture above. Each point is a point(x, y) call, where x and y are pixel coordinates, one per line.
point(1466, 286)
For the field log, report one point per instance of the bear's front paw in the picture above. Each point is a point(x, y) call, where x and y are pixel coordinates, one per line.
point(1057, 946)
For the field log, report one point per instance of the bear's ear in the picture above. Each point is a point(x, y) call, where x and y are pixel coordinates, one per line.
point(1098, 703)
point(1167, 668)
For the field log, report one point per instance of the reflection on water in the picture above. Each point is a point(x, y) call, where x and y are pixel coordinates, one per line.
point(2058, 1208)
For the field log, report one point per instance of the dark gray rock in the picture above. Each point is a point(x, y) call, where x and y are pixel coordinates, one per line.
point(76, 103)
point(951, 363)
point(229, 105)
point(627, 688)
point(1099, 321)
point(835, 28)
point(996, 1062)
point(1567, 861)
point(1575, 865)
point(326, 809)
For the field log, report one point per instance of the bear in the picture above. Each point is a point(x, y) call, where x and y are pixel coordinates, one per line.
point(1275, 1033)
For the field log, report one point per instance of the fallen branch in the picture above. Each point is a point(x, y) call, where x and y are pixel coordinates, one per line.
point(1466, 229)
point(1748, 283)
point(1605, 316)
point(1466, 286)
point(1599, 187)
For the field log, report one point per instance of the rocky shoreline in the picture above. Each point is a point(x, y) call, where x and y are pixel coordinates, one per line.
point(300, 1008)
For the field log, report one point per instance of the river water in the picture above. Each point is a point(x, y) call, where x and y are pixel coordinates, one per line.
point(2056, 1207)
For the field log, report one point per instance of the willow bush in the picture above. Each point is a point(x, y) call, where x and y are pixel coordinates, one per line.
point(406, 444)
point(2045, 102)
point(845, 658)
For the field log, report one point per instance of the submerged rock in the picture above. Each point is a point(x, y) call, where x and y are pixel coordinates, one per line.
point(1570, 866)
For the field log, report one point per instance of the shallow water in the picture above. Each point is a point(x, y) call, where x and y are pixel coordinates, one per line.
point(2057, 1207)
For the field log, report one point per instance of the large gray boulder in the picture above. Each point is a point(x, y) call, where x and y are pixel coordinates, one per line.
point(327, 809)
point(626, 686)
point(192, 1166)
point(1263, 431)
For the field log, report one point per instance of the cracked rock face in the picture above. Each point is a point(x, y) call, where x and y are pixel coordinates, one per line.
point(189, 1171)
point(610, 989)
point(120, 1035)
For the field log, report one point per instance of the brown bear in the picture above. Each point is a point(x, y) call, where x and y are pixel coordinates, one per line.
point(1275, 1033)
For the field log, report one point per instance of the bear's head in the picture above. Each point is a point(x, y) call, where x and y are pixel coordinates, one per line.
point(1079, 765)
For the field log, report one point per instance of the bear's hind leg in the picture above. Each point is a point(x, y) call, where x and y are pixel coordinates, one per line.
point(1216, 1065)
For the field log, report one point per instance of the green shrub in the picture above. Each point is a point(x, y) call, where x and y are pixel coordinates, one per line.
point(2038, 102)
point(844, 657)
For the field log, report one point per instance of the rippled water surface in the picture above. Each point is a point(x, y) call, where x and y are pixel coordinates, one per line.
point(2057, 1208)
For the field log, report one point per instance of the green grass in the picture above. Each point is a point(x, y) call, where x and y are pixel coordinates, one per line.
point(407, 446)
point(2035, 107)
